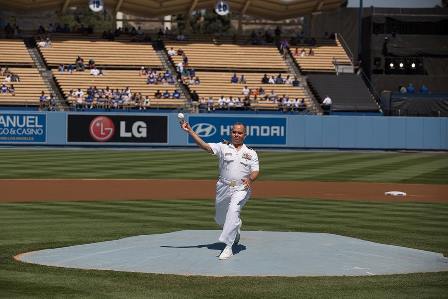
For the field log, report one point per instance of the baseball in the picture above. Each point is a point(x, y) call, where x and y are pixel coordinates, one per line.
point(180, 116)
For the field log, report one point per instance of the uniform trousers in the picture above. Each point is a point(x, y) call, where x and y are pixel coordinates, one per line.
point(229, 202)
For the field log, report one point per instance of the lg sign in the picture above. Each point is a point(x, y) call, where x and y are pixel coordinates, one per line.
point(117, 129)
point(102, 129)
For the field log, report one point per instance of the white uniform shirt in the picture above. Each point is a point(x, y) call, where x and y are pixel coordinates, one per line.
point(234, 164)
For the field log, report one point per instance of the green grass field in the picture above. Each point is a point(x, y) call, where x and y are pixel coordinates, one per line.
point(33, 226)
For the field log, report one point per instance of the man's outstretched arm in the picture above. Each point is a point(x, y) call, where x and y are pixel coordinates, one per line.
point(201, 143)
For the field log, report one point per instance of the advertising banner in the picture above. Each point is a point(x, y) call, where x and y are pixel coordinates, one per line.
point(261, 131)
point(117, 129)
point(23, 128)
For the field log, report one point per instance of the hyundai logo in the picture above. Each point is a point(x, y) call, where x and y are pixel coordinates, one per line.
point(204, 129)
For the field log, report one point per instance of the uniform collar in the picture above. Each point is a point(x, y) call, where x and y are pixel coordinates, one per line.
point(243, 147)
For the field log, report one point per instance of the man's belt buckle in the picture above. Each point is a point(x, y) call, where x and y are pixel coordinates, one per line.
point(232, 183)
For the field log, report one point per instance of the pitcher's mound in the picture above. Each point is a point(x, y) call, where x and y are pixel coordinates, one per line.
point(195, 252)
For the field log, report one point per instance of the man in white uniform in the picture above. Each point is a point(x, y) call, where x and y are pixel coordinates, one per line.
point(238, 168)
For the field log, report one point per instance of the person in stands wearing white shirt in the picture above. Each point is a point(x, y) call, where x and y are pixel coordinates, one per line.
point(238, 168)
point(326, 104)
point(172, 52)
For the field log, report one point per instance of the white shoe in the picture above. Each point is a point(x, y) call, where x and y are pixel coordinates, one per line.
point(226, 253)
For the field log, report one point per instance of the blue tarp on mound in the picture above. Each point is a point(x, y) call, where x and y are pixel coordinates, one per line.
point(195, 252)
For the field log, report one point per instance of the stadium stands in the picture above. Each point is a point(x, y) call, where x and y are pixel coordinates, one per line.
point(110, 54)
point(216, 84)
point(230, 56)
point(347, 91)
point(325, 54)
point(27, 90)
point(14, 52)
point(117, 79)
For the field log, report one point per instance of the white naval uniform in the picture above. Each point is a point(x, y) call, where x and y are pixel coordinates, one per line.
point(231, 194)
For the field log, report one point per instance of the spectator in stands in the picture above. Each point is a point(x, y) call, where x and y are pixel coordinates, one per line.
point(265, 79)
point(94, 71)
point(254, 93)
point(271, 80)
point(180, 67)
point(272, 96)
point(326, 104)
point(167, 74)
point(142, 71)
point(311, 52)
point(151, 79)
point(242, 79)
point(185, 59)
point(160, 79)
point(44, 42)
point(210, 104)
point(296, 52)
point(234, 79)
point(6, 71)
point(70, 68)
point(7, 79)
point(166, 94)
point(303, 52)
point(194, 96)
point(192, 72)
point(410, 88)
point(79, 63)
point(170, 80)
point(221, 102)
point(190, 81)
point(246, 104)
point(279, 79)
point(424, 89)
point(15, 77)
point(301, 105)
point(12, 90)
point(288, 80)
point(172, 52)
point(146, 102)
point(4, 89)
point(42, 100)
point(52, 103)
point(176, 94)
point(91, 63)
point(402, 89)
point(61, 68)
point(261, 91)
point(246, 91)
point(282, 103)
point(197, 81)
point(295, 82)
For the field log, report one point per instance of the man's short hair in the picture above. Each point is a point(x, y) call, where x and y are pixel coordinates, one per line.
point(240, 124)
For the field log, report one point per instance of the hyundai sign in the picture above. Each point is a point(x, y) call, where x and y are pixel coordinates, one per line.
point(22, 128)
point(261, 131)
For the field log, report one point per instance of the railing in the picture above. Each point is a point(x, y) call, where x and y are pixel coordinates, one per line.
point(372, 90)
point(342, 41)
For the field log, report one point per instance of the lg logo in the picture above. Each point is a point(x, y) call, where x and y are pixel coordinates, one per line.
point(204, 129)
point(102, 129)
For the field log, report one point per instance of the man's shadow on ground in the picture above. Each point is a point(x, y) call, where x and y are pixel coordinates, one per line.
point(215, 246)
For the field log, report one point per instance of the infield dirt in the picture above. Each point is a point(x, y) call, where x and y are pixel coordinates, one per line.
point(24, 190)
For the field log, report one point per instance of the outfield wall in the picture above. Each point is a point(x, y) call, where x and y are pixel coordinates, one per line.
point(282, 131)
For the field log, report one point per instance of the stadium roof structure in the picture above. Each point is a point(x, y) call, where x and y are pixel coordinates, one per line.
point(268, 9)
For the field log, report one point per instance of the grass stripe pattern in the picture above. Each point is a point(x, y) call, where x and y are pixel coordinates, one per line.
point(34, 226)
point(189, 164)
